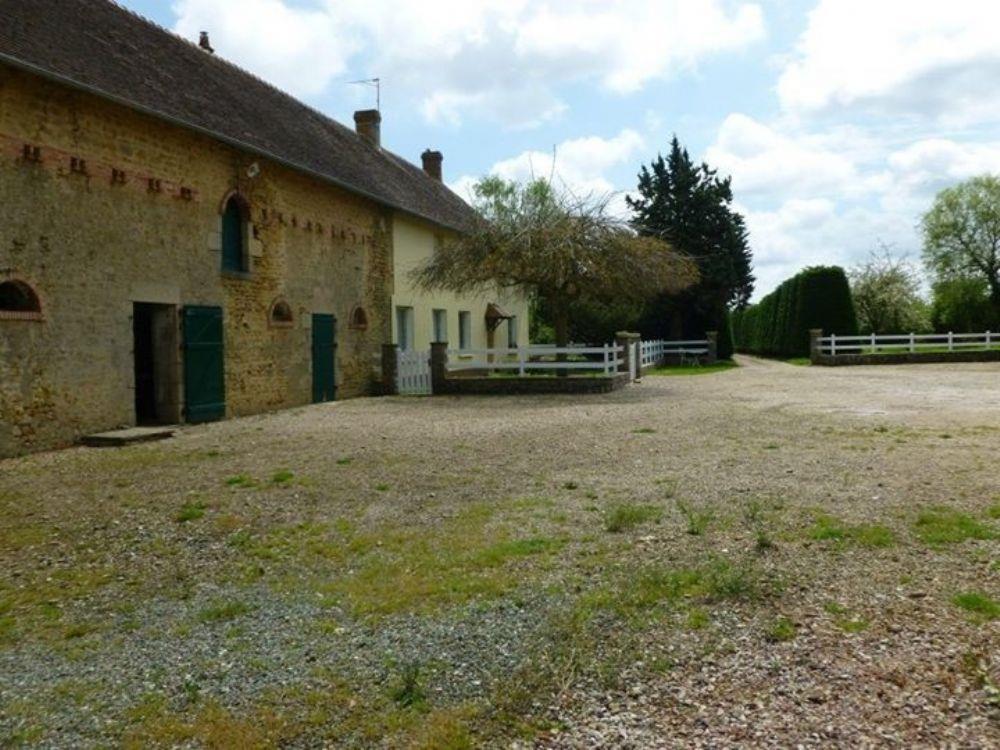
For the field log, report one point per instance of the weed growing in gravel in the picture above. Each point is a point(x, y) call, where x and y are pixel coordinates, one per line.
point(780, 630)
point(627, 516)
point(829, 528)
point(697, 619)
point(940, 525)
point(643, 431)
point(382, 487)
point(697, 520)
point(842, 619)
point(344, 461)
point(570, 485)
point(408, 692)
point(190, 511)
point(994, 510)
point(980, 605)
point(240, 480)
point(755, 516)
point(223, 611)
point(282, 477)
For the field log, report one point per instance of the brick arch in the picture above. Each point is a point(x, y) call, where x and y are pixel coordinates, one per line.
point(19, 300)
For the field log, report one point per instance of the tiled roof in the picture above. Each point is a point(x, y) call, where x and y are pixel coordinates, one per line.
point(111, 51)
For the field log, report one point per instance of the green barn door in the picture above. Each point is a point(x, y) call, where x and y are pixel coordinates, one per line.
point(324, 348)
point(204, 373)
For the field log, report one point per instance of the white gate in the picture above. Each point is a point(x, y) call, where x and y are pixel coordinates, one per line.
point(413, 373)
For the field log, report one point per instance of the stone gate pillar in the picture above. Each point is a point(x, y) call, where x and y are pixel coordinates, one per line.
point(439, 367)
point(815, 348)
point(390, 368)
point(713, 347)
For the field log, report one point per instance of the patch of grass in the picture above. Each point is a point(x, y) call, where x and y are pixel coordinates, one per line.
point(627, 516)
point(190, 511)
point(643, 431)
point(240, 480)
point(671, 370)
point(939, 526)
point(382, 487)
point(829, 528)
point(696, 519)
point(223, 611)
point(570, 485)
point(697, 619)
point(344, 461)
point(780, 630)
point(980, 605)
point(282, 477)
point(994, 510)
point(798, 361)
point(408, 692)
point(852, 624)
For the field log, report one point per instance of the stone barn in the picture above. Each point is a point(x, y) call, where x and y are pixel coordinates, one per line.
point(179, 240)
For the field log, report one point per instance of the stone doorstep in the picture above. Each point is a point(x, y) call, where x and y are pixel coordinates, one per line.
point(128, 436)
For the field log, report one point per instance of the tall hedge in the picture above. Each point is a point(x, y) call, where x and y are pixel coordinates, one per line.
point(778, 325)
point(726, 343)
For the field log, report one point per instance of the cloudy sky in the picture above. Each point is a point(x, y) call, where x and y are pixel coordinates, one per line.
point(837, 119)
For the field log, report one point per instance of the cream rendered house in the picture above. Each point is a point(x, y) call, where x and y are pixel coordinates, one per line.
point(419, 318)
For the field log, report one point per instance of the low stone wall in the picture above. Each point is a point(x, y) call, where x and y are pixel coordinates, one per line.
point(906, 358)
point(529, 385)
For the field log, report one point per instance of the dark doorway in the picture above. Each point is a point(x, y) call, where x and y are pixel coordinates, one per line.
point(154, 330)
point(324, 351)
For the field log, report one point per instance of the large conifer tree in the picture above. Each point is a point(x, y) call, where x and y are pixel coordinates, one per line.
point(690, 207)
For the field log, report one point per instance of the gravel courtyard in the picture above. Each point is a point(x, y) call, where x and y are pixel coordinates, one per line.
point(767, 556)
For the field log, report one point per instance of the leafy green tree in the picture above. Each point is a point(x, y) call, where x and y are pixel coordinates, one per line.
point(963, 304)
point(690, 207)
point(962, 234)
point(530, 239)
point(887, 295)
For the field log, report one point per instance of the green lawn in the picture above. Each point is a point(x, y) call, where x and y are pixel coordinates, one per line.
point(693, 369)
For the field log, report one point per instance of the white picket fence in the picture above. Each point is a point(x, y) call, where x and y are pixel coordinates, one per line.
point(604, 359)
point(907, 342)
point(413, 373)
point(655, 351)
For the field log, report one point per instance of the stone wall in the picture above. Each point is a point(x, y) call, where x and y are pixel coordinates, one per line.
point(121, 208)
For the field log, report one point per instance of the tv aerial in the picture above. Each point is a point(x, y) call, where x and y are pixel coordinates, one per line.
point(375, 83)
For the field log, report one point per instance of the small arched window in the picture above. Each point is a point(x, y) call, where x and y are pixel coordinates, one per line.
point(359, 319)
point(281, 314)
point(235, 215)
point(18, 301)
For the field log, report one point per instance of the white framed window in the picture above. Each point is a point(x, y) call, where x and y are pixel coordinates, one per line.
point(512, 332)
point(440, 320)
point(464, 329)
point(404, 328)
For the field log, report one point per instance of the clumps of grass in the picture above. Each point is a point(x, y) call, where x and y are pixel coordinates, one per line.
point(755, 515)
point(843, 620)
point(570, 485)
point(344, 461)
point(696, 519)
point(240, 480)
point(780, 630)
point(829, 528)
point(994, 510)
point(408, 691)
point(627, 516)
point(282, 476)
point(981, 606)
point(697, 619)
point(643, 431)
point(190, 511)
point(938, 526)
point(223, 611)
point(382, 487)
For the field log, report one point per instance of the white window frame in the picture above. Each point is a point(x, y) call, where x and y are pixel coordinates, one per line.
point(404, 327)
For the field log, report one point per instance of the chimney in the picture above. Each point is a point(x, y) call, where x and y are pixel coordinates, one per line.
point(368, 123)
point(204, 43)
point(432, 163)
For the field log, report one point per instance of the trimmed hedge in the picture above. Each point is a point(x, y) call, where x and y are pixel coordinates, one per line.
point(778, 325)
point(725, 346)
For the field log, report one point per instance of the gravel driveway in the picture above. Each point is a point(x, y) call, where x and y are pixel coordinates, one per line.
point(768, 556)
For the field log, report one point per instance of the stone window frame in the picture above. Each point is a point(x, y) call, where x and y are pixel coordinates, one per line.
point(246, 234)
point(36, 315)
point(358, 320)
point(280, 322)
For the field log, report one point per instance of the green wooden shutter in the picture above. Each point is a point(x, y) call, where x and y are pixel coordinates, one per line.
point(324, 349)
point(204, 364)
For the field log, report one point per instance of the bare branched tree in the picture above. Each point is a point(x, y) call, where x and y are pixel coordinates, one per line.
point(529, 238)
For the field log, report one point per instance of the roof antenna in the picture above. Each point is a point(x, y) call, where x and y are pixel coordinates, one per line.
point(377, 84)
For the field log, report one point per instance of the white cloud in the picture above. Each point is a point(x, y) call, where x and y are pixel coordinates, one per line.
point(936, 59)
point(497, 59)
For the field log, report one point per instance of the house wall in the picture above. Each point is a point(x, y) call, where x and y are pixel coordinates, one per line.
point(91, 247)
point(414, 243)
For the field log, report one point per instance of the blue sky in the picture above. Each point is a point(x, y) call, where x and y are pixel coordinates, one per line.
point(837, 119)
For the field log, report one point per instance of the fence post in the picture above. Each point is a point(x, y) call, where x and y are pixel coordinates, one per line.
point(913, 343)
point(815, 346)
point(987, 339)
point(390, 369)
point(439, 367)
point(951, 341)
point(520, 361)
point(624, 341)
point(833, 344)
point(874, 350)
point(713, 347)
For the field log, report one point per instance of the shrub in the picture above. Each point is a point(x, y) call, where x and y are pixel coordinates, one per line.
point(778, 325)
